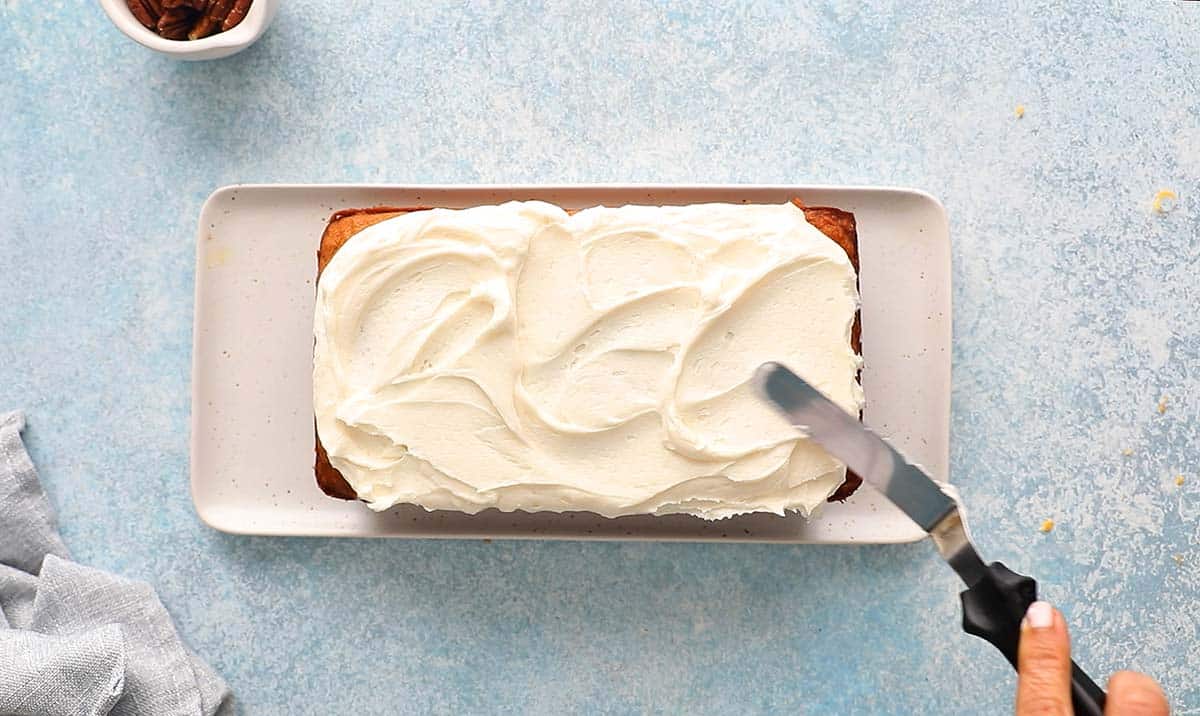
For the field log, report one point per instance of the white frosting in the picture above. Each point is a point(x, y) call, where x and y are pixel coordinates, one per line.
point(519, 358)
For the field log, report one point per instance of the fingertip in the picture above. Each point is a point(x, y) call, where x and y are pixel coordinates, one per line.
point(1044, 639)
point(1039, 615)
point(1136, 695)
point(1043, 662)
point(1045, 620)
point(1133, 680)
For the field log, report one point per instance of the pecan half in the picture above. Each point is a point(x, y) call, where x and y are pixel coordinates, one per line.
point(145, 12)
point(176, 22)
point(204, 27)
point(211, 22)
point(197, 5)
point(236, 15)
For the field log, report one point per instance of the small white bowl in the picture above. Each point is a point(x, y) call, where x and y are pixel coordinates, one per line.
point(222, 44)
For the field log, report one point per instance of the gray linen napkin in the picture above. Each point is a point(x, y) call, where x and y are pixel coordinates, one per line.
point(75, 640)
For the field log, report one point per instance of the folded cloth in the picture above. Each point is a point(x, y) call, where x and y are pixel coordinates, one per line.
point(76, 640)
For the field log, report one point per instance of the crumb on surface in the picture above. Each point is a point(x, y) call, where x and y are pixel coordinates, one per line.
point(1179, 480)
point(1178, 558)
point(1127, 452)
point(1162, 405)
point(1019, 111)
point(1164, 200)
point(1046, 526)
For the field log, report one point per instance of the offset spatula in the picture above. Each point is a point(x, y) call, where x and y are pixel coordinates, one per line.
point(996, 598)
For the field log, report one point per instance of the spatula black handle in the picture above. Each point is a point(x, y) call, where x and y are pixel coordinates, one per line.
point(993, 610)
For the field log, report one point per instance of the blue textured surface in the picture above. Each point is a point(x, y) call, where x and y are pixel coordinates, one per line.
point(1076, 309)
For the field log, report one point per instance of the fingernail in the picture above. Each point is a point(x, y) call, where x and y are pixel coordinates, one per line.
point(1040, 615)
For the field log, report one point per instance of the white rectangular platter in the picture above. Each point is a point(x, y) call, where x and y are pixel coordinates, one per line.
point(252, 422)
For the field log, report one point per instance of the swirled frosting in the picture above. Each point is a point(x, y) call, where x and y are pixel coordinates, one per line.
point(519, 358)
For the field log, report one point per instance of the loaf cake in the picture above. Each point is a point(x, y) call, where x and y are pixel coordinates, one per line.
point(526, 358)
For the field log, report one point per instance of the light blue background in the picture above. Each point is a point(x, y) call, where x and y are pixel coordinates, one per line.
point(1076, 309)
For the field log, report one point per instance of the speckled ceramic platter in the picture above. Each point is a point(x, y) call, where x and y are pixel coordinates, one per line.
point(252, 422)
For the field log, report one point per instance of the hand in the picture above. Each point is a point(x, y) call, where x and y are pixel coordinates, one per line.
point(1044, 673)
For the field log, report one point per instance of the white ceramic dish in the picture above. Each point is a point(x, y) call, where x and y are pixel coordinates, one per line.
point(222, 44)
point(252, 421)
